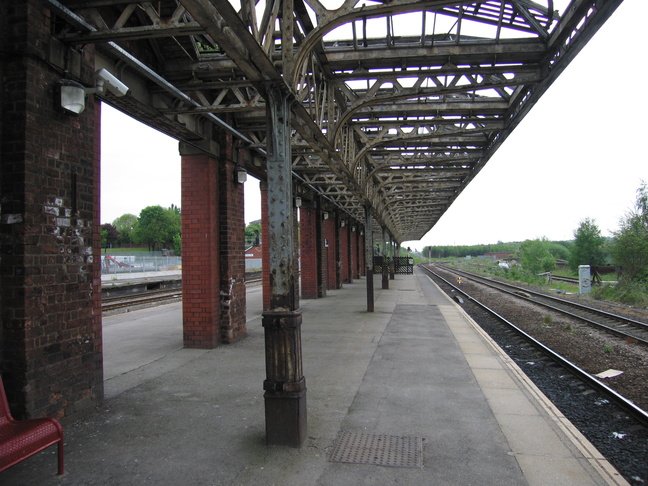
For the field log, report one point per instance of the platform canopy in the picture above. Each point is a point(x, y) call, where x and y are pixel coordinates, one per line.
point(397, 105)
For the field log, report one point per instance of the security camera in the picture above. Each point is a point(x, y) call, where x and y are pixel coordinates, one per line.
point(105, 80)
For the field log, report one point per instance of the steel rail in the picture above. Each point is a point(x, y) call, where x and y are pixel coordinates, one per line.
point(629, 406)
point(147, 297)
point(622, 320)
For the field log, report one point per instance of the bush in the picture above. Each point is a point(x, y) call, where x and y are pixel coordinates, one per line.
point(625, 292)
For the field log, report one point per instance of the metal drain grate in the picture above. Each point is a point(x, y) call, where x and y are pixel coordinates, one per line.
point(379, 450)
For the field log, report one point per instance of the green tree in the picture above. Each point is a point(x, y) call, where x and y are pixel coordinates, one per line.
point(109, 235)
point(535, 256)
point(588, 247)
point(125, 226)
point(630, 247)
point(174, 221)
point(253, 234)
point(153, 227)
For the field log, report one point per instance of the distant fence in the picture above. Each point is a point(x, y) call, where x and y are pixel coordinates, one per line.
point(139, 263)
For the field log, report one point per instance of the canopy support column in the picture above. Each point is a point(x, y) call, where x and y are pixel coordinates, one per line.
point(285, 386)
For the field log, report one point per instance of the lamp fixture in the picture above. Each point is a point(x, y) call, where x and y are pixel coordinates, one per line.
point(298, 202)
point(325, 215)
point(72, 96)
point(73, 93)
point(241, 175)
point(342, 224)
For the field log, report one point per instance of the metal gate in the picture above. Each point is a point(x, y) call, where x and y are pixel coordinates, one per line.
point(402, 265)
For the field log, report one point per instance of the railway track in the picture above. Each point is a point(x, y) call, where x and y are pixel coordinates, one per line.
point(148, 298)
point(631, 329)
point(616, 426)
point(586, 377)
point(140, 300)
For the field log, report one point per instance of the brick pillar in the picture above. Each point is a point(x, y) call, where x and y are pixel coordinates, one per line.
point(361, 253)
point(331, 270)
point(200, 247)
point(355, 271)
point(345, 257)
point(338, 252)
point(296, 256)
point(309, 256)
point(231, 217)
point(50, 317)
point(321, 251)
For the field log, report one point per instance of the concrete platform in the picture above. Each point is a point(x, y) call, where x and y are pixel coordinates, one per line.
point(415, 368)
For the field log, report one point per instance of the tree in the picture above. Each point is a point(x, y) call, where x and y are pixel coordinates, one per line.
point(588, 247)
point(535, 256)
point(174, 222)
point(109, 235)
point(630, 247)
point(253, 234)
point(558, 250)
point(125, 226)
point(154, 227)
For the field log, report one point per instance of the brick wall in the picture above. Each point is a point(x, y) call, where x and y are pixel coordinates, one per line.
point(344, 253)
point(309, 267)
point(355, 270)
point(361, 255)
point(50, 315)
point(331, 253)
point(231, 249)
point(200, 249)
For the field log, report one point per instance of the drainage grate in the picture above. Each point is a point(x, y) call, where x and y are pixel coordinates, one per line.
point(379, 450)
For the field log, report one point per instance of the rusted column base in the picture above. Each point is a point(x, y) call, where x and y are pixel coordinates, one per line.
point(370, 290)
point(385, 275)
point(285, 386)
point(285, 418)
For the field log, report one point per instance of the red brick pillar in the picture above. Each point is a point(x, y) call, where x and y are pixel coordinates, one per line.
point(361, 252)
point(231, 215)
point(51, 341)
point(338, 251)
point(353, 252)
point(309, 254)
point(344, 252)
point(296, 248)
point(200, 247)
point(330, 250)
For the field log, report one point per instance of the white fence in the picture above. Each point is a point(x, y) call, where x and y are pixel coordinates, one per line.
point(147, 262)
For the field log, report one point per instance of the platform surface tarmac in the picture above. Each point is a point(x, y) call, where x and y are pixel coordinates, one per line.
point(416, 368)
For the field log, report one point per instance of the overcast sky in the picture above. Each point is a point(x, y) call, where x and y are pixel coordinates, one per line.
point(578, 154)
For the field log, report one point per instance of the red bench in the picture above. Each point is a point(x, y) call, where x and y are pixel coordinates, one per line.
point(20, 439)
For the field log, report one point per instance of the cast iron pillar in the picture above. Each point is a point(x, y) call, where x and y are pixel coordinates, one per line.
point(385, 265)
point(368, 234)
point(392, 263)
point(285, 386)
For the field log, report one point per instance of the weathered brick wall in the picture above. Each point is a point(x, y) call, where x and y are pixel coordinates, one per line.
point(200, 249)
point(309, 267)
point(361, 254)
point(344, 253)
point(231, 249)
point(331, 261)
point(49, 224)
point(296, 289)
point(355, 269)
